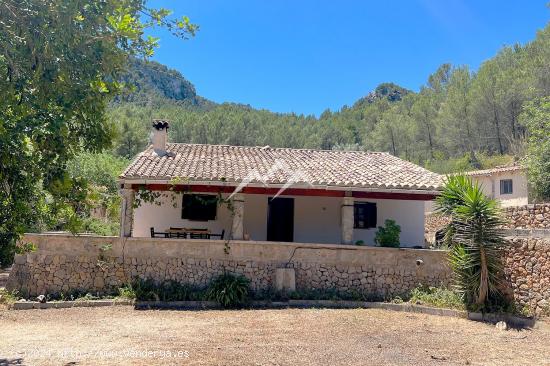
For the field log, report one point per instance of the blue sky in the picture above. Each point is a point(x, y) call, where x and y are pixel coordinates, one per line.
point(304, 56)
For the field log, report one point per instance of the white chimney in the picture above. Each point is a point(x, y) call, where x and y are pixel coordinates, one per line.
point(160, 132)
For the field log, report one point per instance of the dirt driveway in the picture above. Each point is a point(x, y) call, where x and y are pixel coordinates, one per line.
point(122, 335)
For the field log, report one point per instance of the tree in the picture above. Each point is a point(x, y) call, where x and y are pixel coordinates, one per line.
point(60, 64)
point(514, 86)
point(475, 238)
point(537, 64)
point(456, 113)
point(424, 112)
point(488, 107)
point(132, 137)
point(536, 118)
point(393, 133)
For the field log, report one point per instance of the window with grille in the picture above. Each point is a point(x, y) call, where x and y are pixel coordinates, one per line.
point(364, 215)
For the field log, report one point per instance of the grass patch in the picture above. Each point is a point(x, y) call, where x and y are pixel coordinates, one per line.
point(437, 297)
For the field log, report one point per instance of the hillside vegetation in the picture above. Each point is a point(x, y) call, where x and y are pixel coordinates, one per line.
point(459, 119)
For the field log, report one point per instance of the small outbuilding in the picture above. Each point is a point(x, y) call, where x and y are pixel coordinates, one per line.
point(507, 184)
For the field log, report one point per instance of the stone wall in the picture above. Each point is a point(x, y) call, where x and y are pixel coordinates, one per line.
point(432, 223)
point(535, 216)
point(101, 264)
point(527, 270)
point(65, 263)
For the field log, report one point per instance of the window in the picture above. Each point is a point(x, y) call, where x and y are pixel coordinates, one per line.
point(364, 215)
point(506, 186)
point(199, 207)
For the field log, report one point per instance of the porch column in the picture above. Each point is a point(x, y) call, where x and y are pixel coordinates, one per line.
point(127, 211)
point(237, 230)
point(347, 220)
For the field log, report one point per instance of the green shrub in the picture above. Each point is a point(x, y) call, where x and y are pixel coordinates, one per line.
point(100, 227)
point(388, 235)
point(536, 117)
point(316, 294)
point(332, 294)
point(438, 297)
point(7, 248)
point(8, 297)
point(149, 290)
point(127, 292)
point(268, 294)
point(228, 290)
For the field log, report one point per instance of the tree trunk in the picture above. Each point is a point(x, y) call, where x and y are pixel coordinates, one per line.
point(393, 143)
point(497, 126)
point(483, 278)
point(513, 119)
point(469, 138)
point(430, 141)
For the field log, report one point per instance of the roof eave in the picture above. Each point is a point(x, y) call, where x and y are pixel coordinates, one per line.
point(141, 181)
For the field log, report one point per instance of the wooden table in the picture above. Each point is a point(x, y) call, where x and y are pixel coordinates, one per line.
point(191, 232)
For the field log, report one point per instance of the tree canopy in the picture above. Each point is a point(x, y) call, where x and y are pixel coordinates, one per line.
point(536, 117)
point(60, 64)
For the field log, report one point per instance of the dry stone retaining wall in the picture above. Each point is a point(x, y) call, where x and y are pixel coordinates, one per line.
point(65, 263)
point(527, 270)
point(535, 216)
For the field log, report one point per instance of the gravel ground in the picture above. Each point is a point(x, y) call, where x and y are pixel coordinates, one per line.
point(122, 335)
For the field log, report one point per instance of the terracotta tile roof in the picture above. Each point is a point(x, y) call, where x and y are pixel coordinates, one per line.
point(498, 169)
point(320, 168)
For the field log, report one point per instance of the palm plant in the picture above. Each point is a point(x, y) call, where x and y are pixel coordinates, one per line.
point(474, 237)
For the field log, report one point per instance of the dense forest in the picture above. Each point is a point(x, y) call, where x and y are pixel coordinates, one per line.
point(460, 119)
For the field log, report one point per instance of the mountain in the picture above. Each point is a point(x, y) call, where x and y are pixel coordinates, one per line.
point(455, 114)
point(153, 82)
point(389, 91)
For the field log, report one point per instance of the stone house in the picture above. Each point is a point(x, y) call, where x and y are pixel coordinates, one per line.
point(271, 194)
point(507, 184)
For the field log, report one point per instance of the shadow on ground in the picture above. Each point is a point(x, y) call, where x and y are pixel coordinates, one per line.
point(11, 361)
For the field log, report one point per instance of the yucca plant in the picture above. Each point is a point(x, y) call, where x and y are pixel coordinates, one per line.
point(474, 237)
point(228, 290)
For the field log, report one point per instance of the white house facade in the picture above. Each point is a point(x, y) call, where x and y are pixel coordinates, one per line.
point(506, 184)
point(272, 194)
